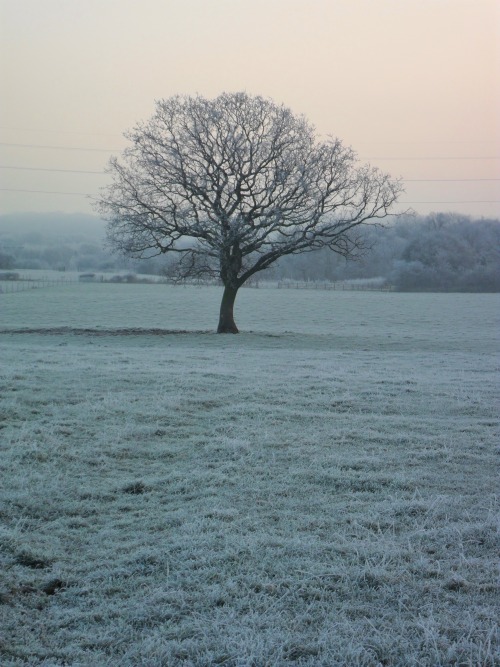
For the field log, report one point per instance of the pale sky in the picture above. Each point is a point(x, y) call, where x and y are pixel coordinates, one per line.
point(412, 85)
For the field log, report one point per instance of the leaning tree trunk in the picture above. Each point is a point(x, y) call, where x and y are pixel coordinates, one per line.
point(226, 318)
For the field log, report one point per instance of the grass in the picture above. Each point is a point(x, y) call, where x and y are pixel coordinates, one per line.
point(261, 500)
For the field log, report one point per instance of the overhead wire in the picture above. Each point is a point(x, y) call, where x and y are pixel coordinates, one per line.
point(87, 194)
point(116, 150)
point(46, 192)
point(71, 171)
point(111, 150)
point(457, 157)
point(61, 148)
point(405, 180)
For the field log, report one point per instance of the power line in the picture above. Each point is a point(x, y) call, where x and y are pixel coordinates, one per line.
point(405, 180)
point(46, 192)
point(62, 148)
point(86, 194)
point(33, 129)
point(112, 150)
point(476, 201)
point(71, 171)
point(419, 142)
point(449, 180)
point(465, 157)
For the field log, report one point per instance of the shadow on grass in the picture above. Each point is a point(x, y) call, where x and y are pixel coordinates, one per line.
point(58, 331)
point(63, 331)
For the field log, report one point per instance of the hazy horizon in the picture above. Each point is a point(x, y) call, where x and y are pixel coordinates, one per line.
point(413, 86)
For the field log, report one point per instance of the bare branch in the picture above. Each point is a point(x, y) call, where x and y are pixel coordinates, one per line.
point(235, 183)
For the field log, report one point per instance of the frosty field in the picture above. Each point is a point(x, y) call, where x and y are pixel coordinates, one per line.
point(320, 490)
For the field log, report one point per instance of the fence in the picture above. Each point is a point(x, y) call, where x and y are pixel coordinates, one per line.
point(338, 286)
point(354, 285)
point(14, 283)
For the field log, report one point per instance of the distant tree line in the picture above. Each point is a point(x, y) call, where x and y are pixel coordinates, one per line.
point(437, 252)
point(56, 241)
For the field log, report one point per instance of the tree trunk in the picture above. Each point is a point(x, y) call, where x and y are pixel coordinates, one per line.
point(226, 319)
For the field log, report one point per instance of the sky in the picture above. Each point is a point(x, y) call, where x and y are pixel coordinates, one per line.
point(412, 85)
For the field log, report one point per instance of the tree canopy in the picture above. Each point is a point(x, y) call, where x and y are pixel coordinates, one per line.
point(233, 184)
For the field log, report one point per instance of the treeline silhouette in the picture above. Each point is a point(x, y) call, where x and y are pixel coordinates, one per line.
point(436, 252)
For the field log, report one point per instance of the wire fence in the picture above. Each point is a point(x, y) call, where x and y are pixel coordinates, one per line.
point(345, 285)
point(335, 286)
point(14, 283)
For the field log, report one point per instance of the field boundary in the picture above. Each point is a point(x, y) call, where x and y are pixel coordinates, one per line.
point(10, 285)
point(61, 331)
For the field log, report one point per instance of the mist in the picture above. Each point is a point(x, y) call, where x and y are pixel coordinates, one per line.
point(446, 252)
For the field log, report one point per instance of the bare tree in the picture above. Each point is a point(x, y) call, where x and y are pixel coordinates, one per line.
point(233, 184)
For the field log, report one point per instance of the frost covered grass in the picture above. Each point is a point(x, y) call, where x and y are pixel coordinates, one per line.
point(322, 491)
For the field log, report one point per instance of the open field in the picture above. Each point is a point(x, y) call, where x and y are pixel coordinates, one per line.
point(320, 490)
